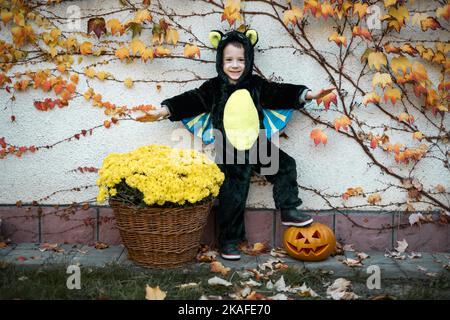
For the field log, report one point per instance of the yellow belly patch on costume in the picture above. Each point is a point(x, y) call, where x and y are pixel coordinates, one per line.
point(240, 120)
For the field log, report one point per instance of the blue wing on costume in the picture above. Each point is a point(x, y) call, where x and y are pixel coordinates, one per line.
point(201, 125)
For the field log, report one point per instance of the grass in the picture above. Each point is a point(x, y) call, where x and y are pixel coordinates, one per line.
point(119, 282)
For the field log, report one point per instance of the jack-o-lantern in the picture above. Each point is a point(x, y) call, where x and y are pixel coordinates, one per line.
point(311, 243)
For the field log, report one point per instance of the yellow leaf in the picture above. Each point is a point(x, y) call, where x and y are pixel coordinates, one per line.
point(128, 82)
point(376, 60)
point(339, 40)
point(142, 16)
point(172, 36)
point(292, 16)
point(417, 18)
point(401, 14)
point(429, 23)
point(147, 54)
point(55, 33)
point(343, 122)
point(360, 9)
point(6, 16)
point(122, 53)
point(392, 94)
point(405, 117)
point(136, 46)
point(115, 26)
point(443, 47)
point(19, 19)
point(86, 48)
point(388, 3)
point(162, 52)
point(74, 78)
point(61, 68)
point(191, 50)
point(371, 97)
point(88, 94)
point(419, 72)
point(426, 53)
point(154, 293)
point(401, 63)
point(53, 52)
point(374, 198)
point(89, 72)
point(102, 75)
point(443, 12)
point(418, 135)
point(382, 79)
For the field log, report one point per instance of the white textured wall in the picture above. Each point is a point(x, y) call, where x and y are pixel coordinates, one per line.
point(330, 169)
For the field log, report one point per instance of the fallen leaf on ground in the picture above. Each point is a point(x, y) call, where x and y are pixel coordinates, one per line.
point(188, 285)
point(101, 245)
point(278, 253)
point(348, 247)
point(279, 296)
point(218, 281)
point(154, 293)
point(217, 266)
point(352, 262)
point(402, 245)
point(340, 290)
point(305, 291)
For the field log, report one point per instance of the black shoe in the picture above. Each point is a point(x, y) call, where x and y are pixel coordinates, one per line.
point(293, 217)
point(230, 252)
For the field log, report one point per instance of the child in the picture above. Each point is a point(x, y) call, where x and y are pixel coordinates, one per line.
point(236, 96)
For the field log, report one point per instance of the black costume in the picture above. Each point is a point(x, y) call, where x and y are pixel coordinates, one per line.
point(212, 96)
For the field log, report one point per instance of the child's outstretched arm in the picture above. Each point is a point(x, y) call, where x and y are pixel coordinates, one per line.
point(185, 105)
point(288, 96)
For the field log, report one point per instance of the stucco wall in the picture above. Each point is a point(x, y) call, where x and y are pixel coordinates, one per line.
point(329, 169)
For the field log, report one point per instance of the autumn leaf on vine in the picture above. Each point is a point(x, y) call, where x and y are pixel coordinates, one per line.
point(191, 50)
point(326, 10)
point(102, 75)
point(115, 26)
point(142, 15)
point(388, 48)
point(318, 136)
point(74, 78)
point(292, 16)
point(443, 12)
point(376, 60)
point(231, 11)
point(396, 17)
point(419, 72)
point(361, 32)
point(89, 72)
point(122, 53)
point(86, 48)
point(128, 82)
point(406, 118)
point(409, 49)
point(137, 46)
point(392, 94)
point(22, 35)
point(147, 54)
point(401, 63)
point(331, 97)
point(6, 16)
point(389, 3)
point(374, 198)
point(339, 40)
point(97, 25)
point(352, 192)
point(381, 79)
point(162, 52)
point(418, 136)
point(371, 97)
point(418, 17)
point(429, 23)
point(343, 122)
point(172, 36)
point(360, 9)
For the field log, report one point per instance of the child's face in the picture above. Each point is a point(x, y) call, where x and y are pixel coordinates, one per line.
point(233, 62)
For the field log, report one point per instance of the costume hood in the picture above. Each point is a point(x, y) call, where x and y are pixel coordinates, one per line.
point(247, 39)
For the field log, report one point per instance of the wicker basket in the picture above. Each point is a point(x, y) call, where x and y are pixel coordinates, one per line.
point(161, 237)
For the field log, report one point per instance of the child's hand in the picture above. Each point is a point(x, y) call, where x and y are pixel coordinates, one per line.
point(153, 115)
point(319, 94)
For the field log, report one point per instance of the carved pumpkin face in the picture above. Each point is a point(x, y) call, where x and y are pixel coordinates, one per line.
point(312, 243)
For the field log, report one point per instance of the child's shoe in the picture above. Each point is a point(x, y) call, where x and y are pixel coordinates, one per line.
point(293, 217)
point(230, 252)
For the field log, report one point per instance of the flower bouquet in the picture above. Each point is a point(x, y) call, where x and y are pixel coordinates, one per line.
point(161, 198)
